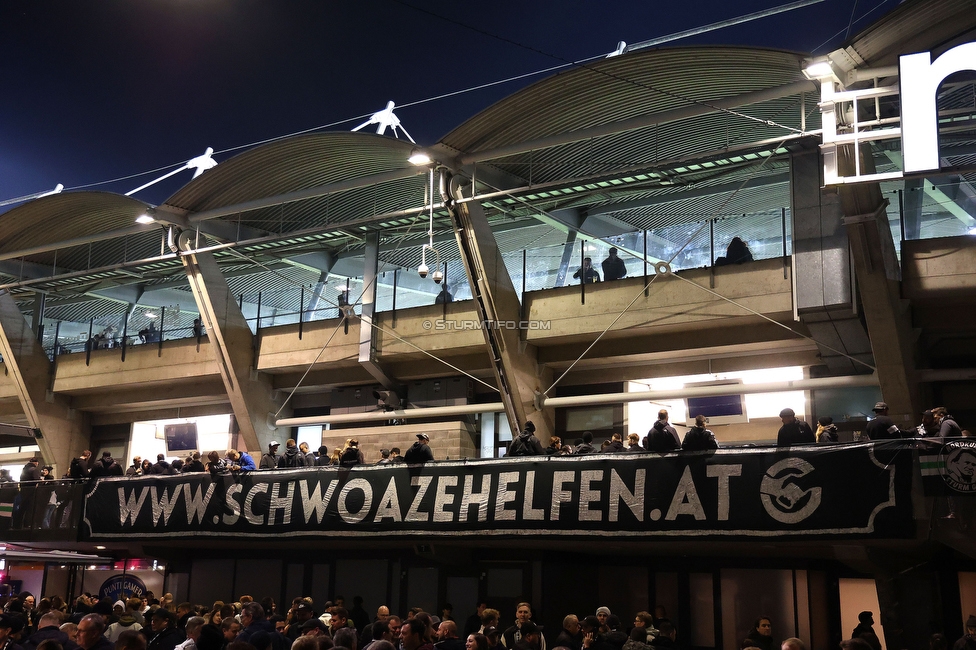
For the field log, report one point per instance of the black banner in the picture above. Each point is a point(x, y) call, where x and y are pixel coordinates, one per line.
point(858, 489)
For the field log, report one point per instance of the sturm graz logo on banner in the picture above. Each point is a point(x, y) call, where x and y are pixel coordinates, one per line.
point(959, 466)
point(783, 498)
point(858, 489)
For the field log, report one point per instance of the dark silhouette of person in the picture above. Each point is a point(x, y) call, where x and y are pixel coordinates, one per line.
point(586, 273)
point(613, 267)
point(444, 296)
point(737, 253)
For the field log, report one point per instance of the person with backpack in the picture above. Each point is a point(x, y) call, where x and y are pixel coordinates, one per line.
point(525, 443)
point(80, 466)
point(293, 457)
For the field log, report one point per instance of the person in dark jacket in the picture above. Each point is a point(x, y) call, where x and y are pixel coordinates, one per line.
point(865, 630)
point(793, 431)
point(195, 464)
point(106, 466)
point(555, 445)
point(161, 466)
point(616, 445)
point(571, 636)
point(948, 427)
point(613, 267)
point(352, 455)
point(761, 634)
point(323, 457)
point(826, 430)
point(270, 459)
point(662, 436)
point(633, 443)
point(881, 427)
point(968, 640)
point(91, 630)
point(586, 447)
point(667, 635)
point(79, 467)
point(420, 451)
point(48, 629)
point(698, 437)
point(164, 635)
point(30, 471)
point(525, 443)
point(293, 457)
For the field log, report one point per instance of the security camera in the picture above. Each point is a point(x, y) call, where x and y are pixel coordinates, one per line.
point(423, 270)
point(438, 277)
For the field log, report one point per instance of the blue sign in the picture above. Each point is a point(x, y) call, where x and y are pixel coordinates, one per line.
point(120, 587)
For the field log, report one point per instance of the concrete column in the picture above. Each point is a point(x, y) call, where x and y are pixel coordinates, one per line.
point(37, 318)
point(517, 372)
point(250, 392)
point(64, 431)
point(367, 340)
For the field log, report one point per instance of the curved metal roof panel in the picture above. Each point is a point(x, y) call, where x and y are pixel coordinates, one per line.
point(624, 87)
point(290, 165)
point(66, 216)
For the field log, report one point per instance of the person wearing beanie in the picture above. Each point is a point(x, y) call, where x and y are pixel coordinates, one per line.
point(968, 640)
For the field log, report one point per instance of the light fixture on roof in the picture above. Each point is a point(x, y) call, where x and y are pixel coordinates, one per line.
point(419, 157)
point(819, 69)
point(149, 216)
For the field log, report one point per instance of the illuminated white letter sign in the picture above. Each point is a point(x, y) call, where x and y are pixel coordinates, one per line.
point(920, 78)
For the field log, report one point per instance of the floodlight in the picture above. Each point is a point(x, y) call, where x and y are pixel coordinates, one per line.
point(818, 70)
point(145, 218)
point(419, 158)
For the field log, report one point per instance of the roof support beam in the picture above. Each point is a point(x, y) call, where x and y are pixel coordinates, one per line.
point(517, 372)
point(367, 341)
point(250, 392)
point(64, 431)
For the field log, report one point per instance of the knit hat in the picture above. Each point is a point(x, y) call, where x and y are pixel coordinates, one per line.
point(603, 610)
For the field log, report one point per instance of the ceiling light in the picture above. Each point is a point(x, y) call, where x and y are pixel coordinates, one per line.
point(145, 218)
point(100, 548)
point(419, 158)
point(818, 70)
point(150, 315)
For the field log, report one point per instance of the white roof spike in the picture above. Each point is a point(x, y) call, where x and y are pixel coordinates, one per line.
point(384, 119)
point(621, 48)
point(202, 163)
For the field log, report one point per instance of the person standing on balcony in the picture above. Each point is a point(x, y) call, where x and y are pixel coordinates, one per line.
point(881, 427)
point(662, 436)
point(270, 459)
point(793, 431)
point(613, 267)
point(586, 273)
point(420, 451)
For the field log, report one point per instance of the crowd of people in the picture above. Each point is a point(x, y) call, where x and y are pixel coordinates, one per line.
point(145, 623)
point(662, 437)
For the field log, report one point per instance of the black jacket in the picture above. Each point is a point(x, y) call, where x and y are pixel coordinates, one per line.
point(585, 448)
point(106, 466)
point(828, 434)
point(168, 639)
point(662, 437)
point(47, 633)
point(525, 444)
point(418, 453)
point(30, 473)
point(292, 457)
point(614, 447)
point(351, 457)
point(162, 467)
point(699, 439)
point(796, 432)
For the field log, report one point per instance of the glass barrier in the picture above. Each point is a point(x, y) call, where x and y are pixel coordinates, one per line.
point(41, 510)
point(700, 244)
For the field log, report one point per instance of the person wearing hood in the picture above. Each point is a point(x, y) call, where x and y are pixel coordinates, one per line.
point(420, 451)
point(698, 437)
point(662, 436)
point(826, 430)
point(968, 640)
point(106, 466)
point(293, 457)
point(586, 447)
point(126, 622)
point(30, 471)
point(48, 628)
point(525, 443)
point(616, 445)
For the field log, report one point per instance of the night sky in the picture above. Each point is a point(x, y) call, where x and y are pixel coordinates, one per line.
point(96, 90)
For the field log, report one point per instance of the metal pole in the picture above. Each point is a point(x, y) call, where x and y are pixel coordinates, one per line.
point(901, 212)
point(57, 334)
point(582, 273)
point(162, 324)
point(301, 311)
point(396, 273)
point(646, 288)
point(257, 322)
point(785, 258)
point(525, 266)
point(125, 333)
point(89, 344)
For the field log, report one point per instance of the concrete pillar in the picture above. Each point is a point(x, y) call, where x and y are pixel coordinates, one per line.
point(64, 431)
point(250, 392)
point(878, 276)
point(367, 340)
point(517, 372)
